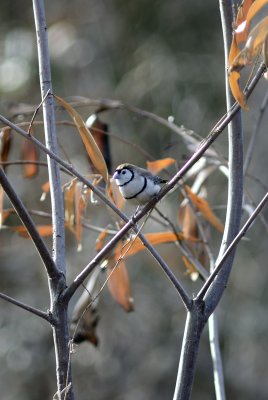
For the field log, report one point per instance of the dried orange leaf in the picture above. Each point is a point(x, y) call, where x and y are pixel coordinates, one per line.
point(6, 213)
point(101, 240)
point(188, 222)
point(255, 41)
point(114, 194)
point(43, 230)
point(46, 189)
point(85, 327)
point(191, 270)
point(29, 153)
point(154, 239)
point(241, 23)
point(119, 286)
point(87, 138)
point(254, 9)
point(203, 206)
point(99, 131)
point(5, 143)
point(69, 201)
point(80, 208)
point(155, 166)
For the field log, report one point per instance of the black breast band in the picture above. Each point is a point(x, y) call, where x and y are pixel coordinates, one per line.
point(142, 189)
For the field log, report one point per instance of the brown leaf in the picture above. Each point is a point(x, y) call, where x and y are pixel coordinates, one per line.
point(5, 143)
point(80, 209)
point(241, 24)
point(188, 222)
point(114, 194)
point(101, 240)
point(69, 201)
point(155, 166)
point(154, 239)
point(86, 329)
point(118, 282)
point(87, 138)
point(253, 46)
point(234, 76)
point(203, 206)
point(43, 230)
point(29, 152)
point(255, 40)
point(191, 270)
point(99, 129)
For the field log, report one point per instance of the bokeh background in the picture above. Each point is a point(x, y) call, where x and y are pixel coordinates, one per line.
point(165, 57)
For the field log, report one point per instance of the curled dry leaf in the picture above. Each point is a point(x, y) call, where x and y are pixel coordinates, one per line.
point(45, 190)
point(101, 240)
point(5, 143)
point(99, 131)
point(86, 329)
point(75, 203)
point(43, 230)
point(190, 268)
point(88, 140)
point(154, 239)
point(203, 206)
point(118, 280)
point(188, 221)
point(253, 41)
point(155, 166)
point(114, 194)
point(29, 152)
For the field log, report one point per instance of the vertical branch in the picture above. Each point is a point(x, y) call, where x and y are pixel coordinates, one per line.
point(50, 134)
point(58, 308)
point(193, 329)
point(235, 183)
point(216, 357)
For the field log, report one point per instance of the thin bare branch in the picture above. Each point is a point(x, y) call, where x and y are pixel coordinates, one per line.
point(29, 225)
point(233, 244)
point(26, 307)
point(50, 135)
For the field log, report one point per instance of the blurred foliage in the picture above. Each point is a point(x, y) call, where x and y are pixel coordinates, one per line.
point(166, 57)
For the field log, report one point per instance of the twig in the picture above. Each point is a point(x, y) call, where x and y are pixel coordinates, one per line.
point(26, 307)
point(106, 250)
point(205, 145)
point(184, 249)
point(36, 111)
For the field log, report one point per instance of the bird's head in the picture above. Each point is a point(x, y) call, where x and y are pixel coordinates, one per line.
point(123, 174)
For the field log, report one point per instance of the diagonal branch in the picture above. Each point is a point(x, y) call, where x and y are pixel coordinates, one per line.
point(231, 247)
point(24, 306)
point(106, 250)
point(29, 225)
point(169, 186)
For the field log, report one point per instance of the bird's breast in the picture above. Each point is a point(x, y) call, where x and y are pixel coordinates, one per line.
point(140, 190)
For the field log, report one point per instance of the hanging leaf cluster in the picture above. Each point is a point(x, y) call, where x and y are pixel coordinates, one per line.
point(247, 45)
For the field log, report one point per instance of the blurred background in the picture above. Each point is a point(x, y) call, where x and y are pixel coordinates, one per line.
point(167, 58)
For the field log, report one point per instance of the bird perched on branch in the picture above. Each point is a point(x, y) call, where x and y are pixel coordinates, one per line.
point(137, 184)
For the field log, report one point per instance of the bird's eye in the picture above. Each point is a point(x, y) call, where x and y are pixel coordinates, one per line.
point(123, 172)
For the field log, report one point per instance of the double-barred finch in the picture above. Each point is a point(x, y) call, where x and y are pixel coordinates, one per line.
point(137, 184)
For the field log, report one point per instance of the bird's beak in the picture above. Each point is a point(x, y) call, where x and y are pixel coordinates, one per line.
point(116, 175)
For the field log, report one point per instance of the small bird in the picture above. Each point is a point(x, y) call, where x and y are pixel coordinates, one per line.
point(137, 184)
